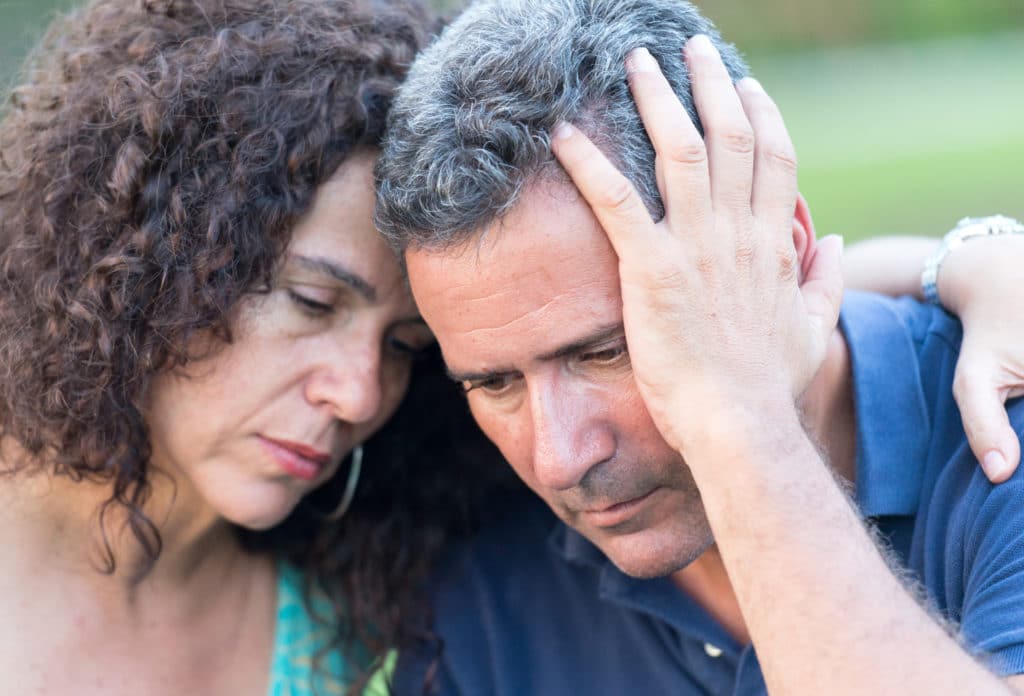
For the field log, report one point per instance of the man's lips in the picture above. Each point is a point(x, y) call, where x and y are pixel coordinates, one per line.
point(617, 513)
point(299, 460)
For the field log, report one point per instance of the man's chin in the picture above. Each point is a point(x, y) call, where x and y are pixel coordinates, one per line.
point(653, 556)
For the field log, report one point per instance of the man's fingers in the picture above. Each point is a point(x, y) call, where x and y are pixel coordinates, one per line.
point(614, 200)
point(983, 410)
point(822, 288)
point(727, 132)
point(775, 167)
point(682, 158)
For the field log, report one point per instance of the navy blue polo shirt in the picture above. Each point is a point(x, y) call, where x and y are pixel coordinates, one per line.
point(530, 607)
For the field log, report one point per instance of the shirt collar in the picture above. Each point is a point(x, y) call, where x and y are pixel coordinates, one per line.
point(893, 427)
point(656, 597)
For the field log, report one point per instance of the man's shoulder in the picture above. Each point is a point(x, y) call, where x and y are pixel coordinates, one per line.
point(870, 318)
point(969, 550)
point(508, 608)
point(963, 537)
point(902, 355)
point(512, 562)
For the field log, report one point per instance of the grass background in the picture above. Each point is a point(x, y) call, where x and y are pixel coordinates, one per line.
point(906, 114)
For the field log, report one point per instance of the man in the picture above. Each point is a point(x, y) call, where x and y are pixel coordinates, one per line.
point(704, 521)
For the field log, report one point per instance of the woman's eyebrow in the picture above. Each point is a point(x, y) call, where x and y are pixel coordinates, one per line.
point(331, 268)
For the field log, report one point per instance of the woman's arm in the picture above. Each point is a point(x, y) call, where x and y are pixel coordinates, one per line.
point(888, 265)
point(981, 282)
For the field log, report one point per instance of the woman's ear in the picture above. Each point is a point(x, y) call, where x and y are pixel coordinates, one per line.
point(804, 237)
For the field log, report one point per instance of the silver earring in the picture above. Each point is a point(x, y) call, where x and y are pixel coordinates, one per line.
point(350, 486)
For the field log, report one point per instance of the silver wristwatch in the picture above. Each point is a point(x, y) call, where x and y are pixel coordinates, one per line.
point(968, 228)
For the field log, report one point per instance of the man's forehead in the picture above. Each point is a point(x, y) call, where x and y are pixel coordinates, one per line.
point(543, 276)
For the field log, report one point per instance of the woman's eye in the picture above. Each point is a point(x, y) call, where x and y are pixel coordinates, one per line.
point(411, 340)
point(309, 305)
point(406, 349)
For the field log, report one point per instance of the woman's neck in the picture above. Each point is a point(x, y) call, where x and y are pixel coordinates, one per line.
point(51, 524)
point(203, 615)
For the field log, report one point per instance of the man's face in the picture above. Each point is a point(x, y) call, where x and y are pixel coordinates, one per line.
point(529, 317)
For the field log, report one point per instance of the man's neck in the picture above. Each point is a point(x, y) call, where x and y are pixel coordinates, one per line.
point(830, 419)
point(707, 583)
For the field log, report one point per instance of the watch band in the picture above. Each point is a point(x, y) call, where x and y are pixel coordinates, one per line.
point(968, 228)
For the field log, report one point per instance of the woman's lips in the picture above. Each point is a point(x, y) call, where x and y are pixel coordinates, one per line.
point(298, 460)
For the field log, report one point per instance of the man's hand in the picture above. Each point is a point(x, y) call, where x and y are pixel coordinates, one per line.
point(714, 313)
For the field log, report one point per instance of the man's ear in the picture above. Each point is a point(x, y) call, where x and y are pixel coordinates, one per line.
point(804, 237)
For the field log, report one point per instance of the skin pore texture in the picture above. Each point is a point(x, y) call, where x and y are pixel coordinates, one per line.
point(540, 348)
point(317, 364)
point(730, 326)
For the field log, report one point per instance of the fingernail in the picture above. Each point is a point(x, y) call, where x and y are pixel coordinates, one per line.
point(700, 44)
point(749, 83)
point(995, 465)
point(640, 60)
point(561, 131)
point(839, 240)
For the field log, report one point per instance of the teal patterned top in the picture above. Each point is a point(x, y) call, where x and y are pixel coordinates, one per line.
point(297, 640)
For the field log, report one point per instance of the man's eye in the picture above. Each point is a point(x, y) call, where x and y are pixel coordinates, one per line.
point(493, 386)
point(309, 305)
point(607, 356)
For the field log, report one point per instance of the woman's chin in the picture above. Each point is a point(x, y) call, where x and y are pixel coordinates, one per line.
point(258, 513)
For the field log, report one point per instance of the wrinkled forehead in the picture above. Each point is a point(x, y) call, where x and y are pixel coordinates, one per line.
point(542, 270)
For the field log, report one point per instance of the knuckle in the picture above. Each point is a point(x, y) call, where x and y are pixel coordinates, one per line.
point(787, 265)
point(687, 152)
point(782, 157)
point(738, 139)
point(616, 194)
point(966, 381)
point(705, 264)
point(745, 255)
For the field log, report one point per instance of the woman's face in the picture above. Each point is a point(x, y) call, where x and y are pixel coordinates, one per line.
point(317, 365)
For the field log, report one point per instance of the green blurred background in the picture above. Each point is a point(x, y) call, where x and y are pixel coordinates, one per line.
point(907, 114)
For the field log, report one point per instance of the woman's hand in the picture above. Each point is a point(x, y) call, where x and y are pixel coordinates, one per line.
point(981, 283)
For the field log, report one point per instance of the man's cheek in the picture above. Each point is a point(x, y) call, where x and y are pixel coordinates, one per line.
point(502, 430)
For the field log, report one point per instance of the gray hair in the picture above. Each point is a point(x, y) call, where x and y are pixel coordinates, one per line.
point(470, 127)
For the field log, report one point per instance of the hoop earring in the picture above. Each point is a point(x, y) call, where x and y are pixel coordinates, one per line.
point(350, 487)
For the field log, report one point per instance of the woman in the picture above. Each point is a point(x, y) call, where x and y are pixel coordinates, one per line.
point(200, 328)
point(201, 325)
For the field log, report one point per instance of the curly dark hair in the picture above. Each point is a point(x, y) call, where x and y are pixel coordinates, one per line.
point(152, 167)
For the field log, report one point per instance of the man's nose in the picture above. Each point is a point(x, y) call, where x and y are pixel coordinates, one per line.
point(348, 382)
point(570, 434)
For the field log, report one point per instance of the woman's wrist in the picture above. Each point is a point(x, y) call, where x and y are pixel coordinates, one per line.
point(970, 251)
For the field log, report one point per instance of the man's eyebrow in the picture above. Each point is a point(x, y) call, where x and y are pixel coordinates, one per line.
point(328, 267)
point(599, 336)
point(477, 376)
